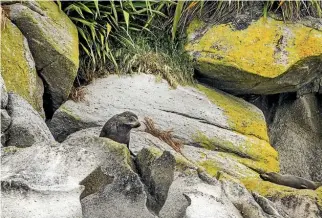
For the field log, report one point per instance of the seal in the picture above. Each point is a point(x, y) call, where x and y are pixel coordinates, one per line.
point(290, 181)
point(119, 126)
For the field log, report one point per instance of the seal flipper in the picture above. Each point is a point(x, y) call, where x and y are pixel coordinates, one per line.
point(304, 186)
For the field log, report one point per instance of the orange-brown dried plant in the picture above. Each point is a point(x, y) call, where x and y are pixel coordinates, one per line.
point(77, 94)
point(164, 135)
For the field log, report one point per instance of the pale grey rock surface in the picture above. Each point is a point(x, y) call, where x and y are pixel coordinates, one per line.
point(296, 135)
point(27, 127)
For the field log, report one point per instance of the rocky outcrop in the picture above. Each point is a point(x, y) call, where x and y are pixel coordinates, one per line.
point(49, 185)
point(266, 57)
point(296, 135)
point(27, 127)
point(221, 135)
point(212, 125)
point(53, 41)
point(18, 67)
point(213, 174)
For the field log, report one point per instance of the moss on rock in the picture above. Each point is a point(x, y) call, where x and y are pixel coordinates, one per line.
point(254, 153)
point(53, 40)
point(18, 67)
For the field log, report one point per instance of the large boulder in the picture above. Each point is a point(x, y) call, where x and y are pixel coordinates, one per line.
point(216, 129)
point(86, 176)
point(53, 41)
point(18, 67)
point(27, 127)
point(296, 133)
point(267, 56)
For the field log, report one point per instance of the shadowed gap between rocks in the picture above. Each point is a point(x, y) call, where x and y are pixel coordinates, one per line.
point(47, 99)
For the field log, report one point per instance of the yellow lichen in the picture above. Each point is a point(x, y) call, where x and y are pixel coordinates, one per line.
point(241, 116)
point(210, 166)
point(17, 69)
point(257, 49)
point(319, 194)
point(254, 153)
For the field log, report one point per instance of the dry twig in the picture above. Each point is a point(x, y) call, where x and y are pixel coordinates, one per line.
point(165, 136)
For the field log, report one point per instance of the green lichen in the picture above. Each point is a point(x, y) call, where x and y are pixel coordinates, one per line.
point(211, 167)
point(194, 26)
point(54, 45)
point(61, 20)
point(242, 117)
point(319, 195)
point(18, 72)
point(10, 149)
point(69, 112)
point(255, 50)
point(183, 165)
point(253, 152)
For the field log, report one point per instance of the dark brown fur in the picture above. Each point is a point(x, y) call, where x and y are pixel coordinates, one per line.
point(290, 180)
point(119, 126)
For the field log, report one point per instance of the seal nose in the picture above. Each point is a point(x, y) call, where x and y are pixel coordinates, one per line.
point(136, 124)
point(264, 176)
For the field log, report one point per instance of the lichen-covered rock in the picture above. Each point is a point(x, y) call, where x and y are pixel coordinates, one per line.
point(53, 41)
point(18, 67)
point(243, 199)
point(27, 127)
point(295, 203)
point(296, 134)
point(267, 57)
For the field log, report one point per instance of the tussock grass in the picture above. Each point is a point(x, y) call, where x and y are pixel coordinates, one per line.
point(77, 94)
point(164, 135)
point(4, 15)
point(159, 56)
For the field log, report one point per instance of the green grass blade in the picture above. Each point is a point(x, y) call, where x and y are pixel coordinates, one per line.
point(127, 19)
point(176, 19)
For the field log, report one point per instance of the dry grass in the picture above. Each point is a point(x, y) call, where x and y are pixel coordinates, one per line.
point(77, 94)
point(164, 135)
point(4, 15)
